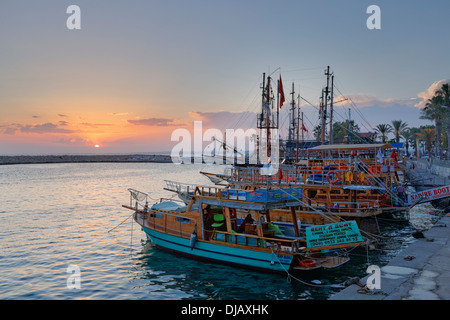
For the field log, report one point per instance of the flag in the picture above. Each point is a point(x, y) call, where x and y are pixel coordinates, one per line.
point(304, 128)
point(281, 92)
point(394, 156)
point(380, 156)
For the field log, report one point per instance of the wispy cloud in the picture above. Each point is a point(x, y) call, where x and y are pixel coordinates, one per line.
point(160, 122)
point(96, 125)
point(36, 128)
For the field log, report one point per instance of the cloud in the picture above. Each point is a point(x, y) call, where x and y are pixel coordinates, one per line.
point(96, 125)
point(44, 128)
point(118, 113)
point(10, 130)
point(62, 115)
point(160, 122)
point(363, 100)
point(225, 119)
point(429, 93)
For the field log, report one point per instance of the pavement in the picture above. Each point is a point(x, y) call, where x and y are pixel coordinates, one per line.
point(420, 272)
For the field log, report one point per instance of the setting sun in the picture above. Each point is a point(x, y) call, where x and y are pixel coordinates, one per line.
point(97, 146)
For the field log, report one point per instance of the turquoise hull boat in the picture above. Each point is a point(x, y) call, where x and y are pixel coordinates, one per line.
point(263, 261)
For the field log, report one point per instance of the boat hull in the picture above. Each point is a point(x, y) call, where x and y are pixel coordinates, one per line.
point(206, 251)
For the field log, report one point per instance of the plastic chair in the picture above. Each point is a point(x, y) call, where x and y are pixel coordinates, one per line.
point(219, 220)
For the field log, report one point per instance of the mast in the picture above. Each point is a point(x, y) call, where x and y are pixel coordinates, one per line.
point(266, 120)
point(298, 125)
point(267, 117)
point(292, 124)
point(331, 111)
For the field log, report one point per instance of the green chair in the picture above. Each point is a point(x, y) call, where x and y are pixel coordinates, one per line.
point(219, 220)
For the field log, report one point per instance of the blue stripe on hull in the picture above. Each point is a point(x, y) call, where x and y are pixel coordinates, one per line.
point(220, 253)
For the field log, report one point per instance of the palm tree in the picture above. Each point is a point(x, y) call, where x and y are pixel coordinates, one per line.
point(383, 129)
point(433, 111)
point(398, 126)
point(444, 92)
point(428, 136)
point(409, 136)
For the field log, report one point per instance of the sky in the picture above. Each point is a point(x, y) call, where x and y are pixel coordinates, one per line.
point(138, 70)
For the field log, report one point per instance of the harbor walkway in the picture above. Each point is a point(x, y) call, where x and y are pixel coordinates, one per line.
point(422, 270)
point(419, 272)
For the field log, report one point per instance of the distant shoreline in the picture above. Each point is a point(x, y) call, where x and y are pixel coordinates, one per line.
point(159, 158)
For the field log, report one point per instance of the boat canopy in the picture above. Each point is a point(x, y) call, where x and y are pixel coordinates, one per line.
point(344, 147)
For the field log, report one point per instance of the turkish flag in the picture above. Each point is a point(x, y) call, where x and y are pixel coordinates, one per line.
point(281, 92)
point(304, 128)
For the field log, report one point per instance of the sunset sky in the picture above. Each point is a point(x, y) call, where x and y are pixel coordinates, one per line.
point(138, 70)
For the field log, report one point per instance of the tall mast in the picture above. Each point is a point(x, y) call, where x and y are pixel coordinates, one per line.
point(298, 125)
point(331, 111)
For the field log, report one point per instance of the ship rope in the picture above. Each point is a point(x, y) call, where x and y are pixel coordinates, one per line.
point(291, 276)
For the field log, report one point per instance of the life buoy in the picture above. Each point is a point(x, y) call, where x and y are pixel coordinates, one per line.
point(329, 178)
point(385, 195)
point(349, 176)
point(361, 177)
point(308, 263)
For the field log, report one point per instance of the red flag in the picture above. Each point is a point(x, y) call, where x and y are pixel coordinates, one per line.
point(304, 128)
point(394, 156)
point(281, 92)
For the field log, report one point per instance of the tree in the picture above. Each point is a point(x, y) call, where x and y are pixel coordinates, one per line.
point(317, 132)
point(383, 130)
point(433, 111)
point(398, 126)
point(344, 129)
point(409, 136)
point(444, 92)
point(428, 136)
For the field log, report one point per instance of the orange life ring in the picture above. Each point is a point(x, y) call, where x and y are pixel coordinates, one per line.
point(329, 179)
point(308, 263)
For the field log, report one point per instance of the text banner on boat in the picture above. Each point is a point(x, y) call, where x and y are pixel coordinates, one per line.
point(429, 195)
point(332, 234)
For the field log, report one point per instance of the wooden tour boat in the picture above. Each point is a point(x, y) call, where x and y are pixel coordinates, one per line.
point(211, 227)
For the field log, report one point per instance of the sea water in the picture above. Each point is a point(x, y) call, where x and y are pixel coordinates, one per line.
point(56, 218)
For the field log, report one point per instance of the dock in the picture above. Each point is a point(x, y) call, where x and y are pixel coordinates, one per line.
point(419, 272)
point(422, 270)
point(36, 159)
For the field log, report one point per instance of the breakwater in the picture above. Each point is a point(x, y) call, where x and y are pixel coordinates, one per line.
point(33, 159)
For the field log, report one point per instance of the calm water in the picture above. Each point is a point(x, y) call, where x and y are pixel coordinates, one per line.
point(56, 215)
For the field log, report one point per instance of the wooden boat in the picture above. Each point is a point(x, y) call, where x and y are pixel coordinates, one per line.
point(342, 182)
point(211, 228)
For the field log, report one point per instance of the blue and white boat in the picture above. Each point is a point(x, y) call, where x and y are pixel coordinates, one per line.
point(234, 227)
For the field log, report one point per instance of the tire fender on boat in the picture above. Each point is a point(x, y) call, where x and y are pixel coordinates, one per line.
point(193, 239)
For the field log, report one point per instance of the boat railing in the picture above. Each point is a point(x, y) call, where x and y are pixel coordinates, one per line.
point(171, 223)
point(285, 244)
point(346, 174)
point(137, 195)
point(180, 187)
point(344, 207)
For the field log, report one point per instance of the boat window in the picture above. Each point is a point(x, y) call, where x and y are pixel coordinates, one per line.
point(181, 219)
